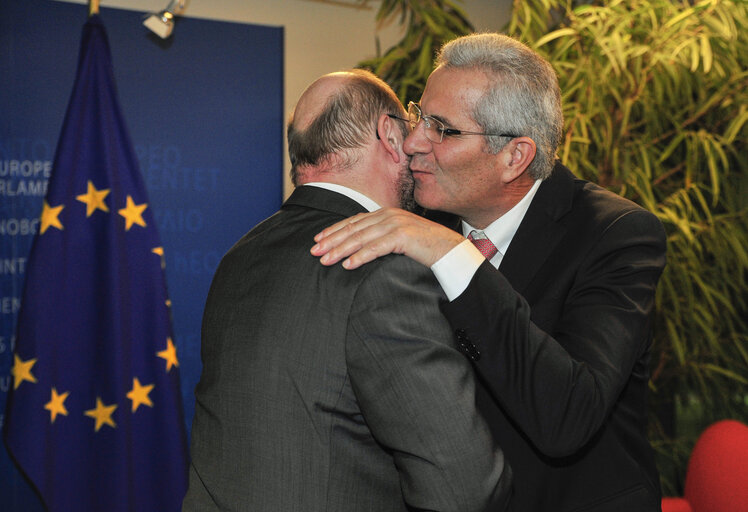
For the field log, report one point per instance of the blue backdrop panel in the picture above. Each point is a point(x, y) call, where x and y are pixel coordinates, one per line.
point(205, 112)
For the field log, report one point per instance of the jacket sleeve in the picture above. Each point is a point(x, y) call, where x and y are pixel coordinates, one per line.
point(561, 386)
point(417, 393)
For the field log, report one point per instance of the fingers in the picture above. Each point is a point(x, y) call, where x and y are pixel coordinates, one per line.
point(361, 238)
point(366, 245)
point(339, 225)
point(364, 239)
point(332, 236)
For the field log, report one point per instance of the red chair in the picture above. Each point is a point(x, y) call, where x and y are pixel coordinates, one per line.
point(717, 473)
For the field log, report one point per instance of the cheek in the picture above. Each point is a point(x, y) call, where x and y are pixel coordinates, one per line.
point(450, 170)
point(471, 165)
point(437, 189)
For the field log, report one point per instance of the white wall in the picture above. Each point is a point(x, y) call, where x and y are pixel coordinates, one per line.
point(320, 35)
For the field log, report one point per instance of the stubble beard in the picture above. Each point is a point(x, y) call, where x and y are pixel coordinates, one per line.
point(405, 188)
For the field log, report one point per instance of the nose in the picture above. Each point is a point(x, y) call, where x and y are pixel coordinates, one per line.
point(416, 141)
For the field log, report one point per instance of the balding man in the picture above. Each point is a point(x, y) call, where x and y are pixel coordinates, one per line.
point(329, 390)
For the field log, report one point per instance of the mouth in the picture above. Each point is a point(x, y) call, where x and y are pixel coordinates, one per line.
point(417, 172)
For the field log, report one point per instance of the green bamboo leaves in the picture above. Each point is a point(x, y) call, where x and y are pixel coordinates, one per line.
point(428, 24)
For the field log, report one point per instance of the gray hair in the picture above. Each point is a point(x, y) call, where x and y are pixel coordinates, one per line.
point(524, 98)
point(344, 125)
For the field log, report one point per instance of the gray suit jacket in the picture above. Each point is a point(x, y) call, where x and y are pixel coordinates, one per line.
point(331, 390)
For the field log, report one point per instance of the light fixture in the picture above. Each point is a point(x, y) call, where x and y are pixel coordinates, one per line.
point(162, 23)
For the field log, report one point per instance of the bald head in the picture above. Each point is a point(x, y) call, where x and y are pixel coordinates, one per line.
point(334, 119)
point(316, 97)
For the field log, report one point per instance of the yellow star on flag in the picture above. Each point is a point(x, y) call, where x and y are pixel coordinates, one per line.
point(133, 213)
point(56, 405)
point(139, 395)
point(50, 217)
point(169, 354)
point(102, 414)
point(22, 371)
point(94, 199)
point(160, 252)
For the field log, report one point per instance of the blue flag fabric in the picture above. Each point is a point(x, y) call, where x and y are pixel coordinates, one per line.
point(94, 415)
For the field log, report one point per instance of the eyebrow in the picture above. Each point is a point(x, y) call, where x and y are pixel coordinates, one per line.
point(442, 119)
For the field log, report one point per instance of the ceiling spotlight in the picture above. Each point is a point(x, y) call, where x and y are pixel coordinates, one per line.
point(162, 23)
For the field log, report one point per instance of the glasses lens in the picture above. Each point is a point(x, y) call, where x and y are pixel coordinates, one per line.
point(434, 129)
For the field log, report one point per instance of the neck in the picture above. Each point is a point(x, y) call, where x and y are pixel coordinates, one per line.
point(511, 194)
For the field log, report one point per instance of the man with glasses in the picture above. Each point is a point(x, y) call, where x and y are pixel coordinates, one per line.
point(550, 279)
point(328, 390)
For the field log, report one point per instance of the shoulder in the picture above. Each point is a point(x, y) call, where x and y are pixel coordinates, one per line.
point(589, 214)
point(396, 287)
point(608, 227)
point(610, 214)
point(596, 209)
point(593, 198)
point(396, 271)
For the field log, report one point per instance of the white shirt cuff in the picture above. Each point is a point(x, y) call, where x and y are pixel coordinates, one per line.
point(455, 269)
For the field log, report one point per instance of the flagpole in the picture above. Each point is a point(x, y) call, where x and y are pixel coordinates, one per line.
point(93, 7)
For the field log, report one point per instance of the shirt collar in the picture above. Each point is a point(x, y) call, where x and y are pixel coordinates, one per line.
point(357, 196)
point(502, 230)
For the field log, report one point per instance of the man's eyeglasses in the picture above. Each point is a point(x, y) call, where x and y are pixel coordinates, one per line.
point(436, 130)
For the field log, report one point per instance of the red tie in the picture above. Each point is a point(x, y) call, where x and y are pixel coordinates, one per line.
point(484, 245)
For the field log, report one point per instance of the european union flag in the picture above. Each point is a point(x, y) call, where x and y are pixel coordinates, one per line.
point(94, 415)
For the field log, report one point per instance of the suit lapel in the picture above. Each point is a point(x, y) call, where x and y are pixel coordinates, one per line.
point(540, 230)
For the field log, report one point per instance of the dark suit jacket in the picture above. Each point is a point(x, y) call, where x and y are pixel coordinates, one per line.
point(324, 389)
point(560, 335)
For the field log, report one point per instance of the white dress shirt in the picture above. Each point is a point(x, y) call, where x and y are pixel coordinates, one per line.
point(357, 196)
point(455, 269)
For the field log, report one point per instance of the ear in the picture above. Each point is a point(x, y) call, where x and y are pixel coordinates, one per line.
point(390, 138)
point(518, 155)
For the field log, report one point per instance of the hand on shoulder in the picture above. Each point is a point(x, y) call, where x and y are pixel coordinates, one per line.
point(364, 237)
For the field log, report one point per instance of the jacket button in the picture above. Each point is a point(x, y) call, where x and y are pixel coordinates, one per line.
point(466, 346)
point(474, 353)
